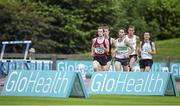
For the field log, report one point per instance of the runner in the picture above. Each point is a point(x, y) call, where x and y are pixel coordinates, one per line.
point(122, 51)
point(147, 50)
point(135, 43)
point(99, 50)
point(111, 46)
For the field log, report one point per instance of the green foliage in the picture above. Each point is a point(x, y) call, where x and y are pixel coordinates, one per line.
point(166, 13)
point(23, 22)
point(134, 12)
point(67, 26)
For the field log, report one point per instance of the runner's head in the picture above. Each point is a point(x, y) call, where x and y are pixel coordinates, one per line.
point(146, 36)
point(100, 31)
point(131, 30)
point(121, 33)
point(106, 31)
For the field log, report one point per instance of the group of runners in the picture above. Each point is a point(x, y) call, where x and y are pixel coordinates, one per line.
point(124, 51)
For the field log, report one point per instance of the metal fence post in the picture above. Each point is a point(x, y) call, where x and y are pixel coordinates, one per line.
point(168, 63)
point(54, 58)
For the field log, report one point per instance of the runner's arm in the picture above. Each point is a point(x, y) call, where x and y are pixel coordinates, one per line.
point(106, 49)
point(114, 48)
point(138, 45)
point(153, 49)
point(131, 48)
point(92, 47)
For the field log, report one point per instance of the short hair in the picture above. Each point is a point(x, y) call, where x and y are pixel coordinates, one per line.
point(131, 26)
point(106, 27)
point(100, 27)
point(122, 29)
point(147, 33)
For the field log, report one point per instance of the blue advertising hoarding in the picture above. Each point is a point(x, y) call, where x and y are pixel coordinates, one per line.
point(44, 83)
point(71, 65)
point(175, 69)
point(133, 83)
point(157, 66)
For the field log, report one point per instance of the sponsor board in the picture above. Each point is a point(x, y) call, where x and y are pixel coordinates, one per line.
point(175, 69)
point(70, 65)
point(44, 83)
point(133, 83)
point(157, 66)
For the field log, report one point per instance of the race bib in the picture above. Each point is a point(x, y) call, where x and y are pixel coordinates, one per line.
point(99, 50)
point(122, 50)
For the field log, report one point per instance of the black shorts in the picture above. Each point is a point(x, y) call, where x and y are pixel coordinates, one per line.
point(145, 62)
point(109, 58)
point(123, 62)
point(101, 59)
point(133, 56)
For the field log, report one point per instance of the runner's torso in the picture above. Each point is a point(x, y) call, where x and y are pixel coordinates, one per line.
point(122, 48)
point(144, 51)
point(132, 42)
point(99, 51)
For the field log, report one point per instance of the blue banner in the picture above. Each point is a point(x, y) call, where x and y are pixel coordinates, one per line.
point(175, 69)
point(44, 83)
point(71, 65)
point(136, 83)
point(157, 66)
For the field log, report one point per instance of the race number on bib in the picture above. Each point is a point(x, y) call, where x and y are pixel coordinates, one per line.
point(99, 50)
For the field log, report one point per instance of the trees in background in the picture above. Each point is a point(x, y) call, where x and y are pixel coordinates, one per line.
point(165, 13)
point(67, 26)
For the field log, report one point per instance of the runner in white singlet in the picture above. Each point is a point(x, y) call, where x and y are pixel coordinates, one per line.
point(135, 43)
point(122, 52)
point(147, 50)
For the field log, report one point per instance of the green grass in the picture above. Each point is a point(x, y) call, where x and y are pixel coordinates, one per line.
point(93, 100)
point(168, 47)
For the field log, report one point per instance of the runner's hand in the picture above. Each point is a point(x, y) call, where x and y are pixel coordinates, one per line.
point(126, 55)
